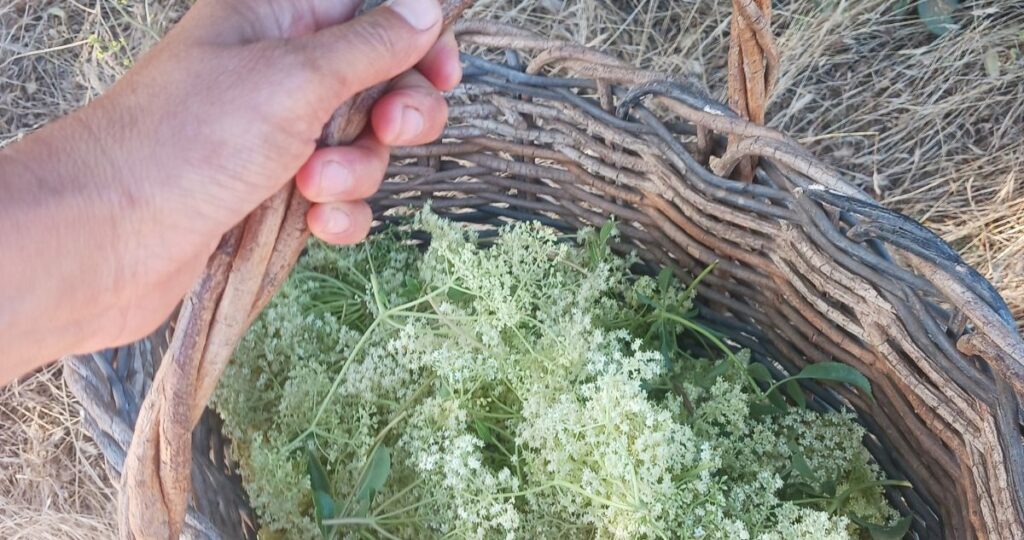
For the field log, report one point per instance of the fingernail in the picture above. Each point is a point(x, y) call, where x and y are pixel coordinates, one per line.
point(412, 124)
point(338, 221)
point(420, 14)
point(335, 179)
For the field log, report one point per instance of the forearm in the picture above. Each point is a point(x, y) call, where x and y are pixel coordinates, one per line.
point(63, 237)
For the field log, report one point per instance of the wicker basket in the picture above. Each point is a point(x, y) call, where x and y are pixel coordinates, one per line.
point(809, 269)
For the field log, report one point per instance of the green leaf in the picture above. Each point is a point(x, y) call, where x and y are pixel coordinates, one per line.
point(895, 531)
point(607, 231)
point(458, 295)
point(837, 372)
point(776, 399)
point(376, 474)
point(759, 372)
point(664, 279)
point(362, 508)
point(483, 431)
point(324, 504)
point(991, 60)
point(720, 369)
point(647, 300)
point(795, 393)
point(323, 501)
point(761, 410)
point(667, 342)
point(795, 490)
point(411, 287)
point(799, 462)
point(937, 15)
point(840, 500)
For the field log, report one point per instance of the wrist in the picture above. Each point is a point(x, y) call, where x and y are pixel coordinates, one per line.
point(65, 199)
point(112, 161)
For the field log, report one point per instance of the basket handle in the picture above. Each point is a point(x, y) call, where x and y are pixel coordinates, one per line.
point(248, 267)
point(753, 68)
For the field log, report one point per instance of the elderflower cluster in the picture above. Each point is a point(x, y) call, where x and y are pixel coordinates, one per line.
point(523, 387)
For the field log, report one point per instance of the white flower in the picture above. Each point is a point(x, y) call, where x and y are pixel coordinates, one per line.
point(520, 395)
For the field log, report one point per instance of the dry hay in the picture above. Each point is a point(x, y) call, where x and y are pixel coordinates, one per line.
point(53, 483)
point(932, 126)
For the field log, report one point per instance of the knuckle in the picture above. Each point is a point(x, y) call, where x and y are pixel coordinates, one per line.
point(302, 57)
point(439, 111)
point(304, 63)
point(316, 70)
point(377, 38)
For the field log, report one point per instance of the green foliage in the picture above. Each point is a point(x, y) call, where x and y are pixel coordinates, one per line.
point(323, 501)
point(937, 15)
point(823, 371)
point(879, 532)
point(535, 388)
point(376, 474)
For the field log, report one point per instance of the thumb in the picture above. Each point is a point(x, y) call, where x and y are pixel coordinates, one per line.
point(370, 49)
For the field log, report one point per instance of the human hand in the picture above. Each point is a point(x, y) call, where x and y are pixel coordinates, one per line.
point(238, 92)
point(215, 119)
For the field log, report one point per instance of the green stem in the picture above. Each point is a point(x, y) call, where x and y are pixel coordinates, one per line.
point(779, 383)
point(525, 342)
point(700, 330)
point(570, 487)
point(403, 510)
point(486, 414)
point(399, 415)
point(399, 495)
point(455, 329)
point(811, 500)
point(297, 441)
point(700, 277)
point(439, 317)
point(840, 499)
point(361, 522)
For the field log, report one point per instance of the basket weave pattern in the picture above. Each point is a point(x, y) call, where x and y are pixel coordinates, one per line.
point(809, 269)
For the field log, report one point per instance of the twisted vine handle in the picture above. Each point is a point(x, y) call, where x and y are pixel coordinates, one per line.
point(248, 267)
point(753, 68)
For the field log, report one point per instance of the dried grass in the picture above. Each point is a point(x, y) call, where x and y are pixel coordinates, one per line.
point(932, 126)
point(53, 482)
point(56, 56)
